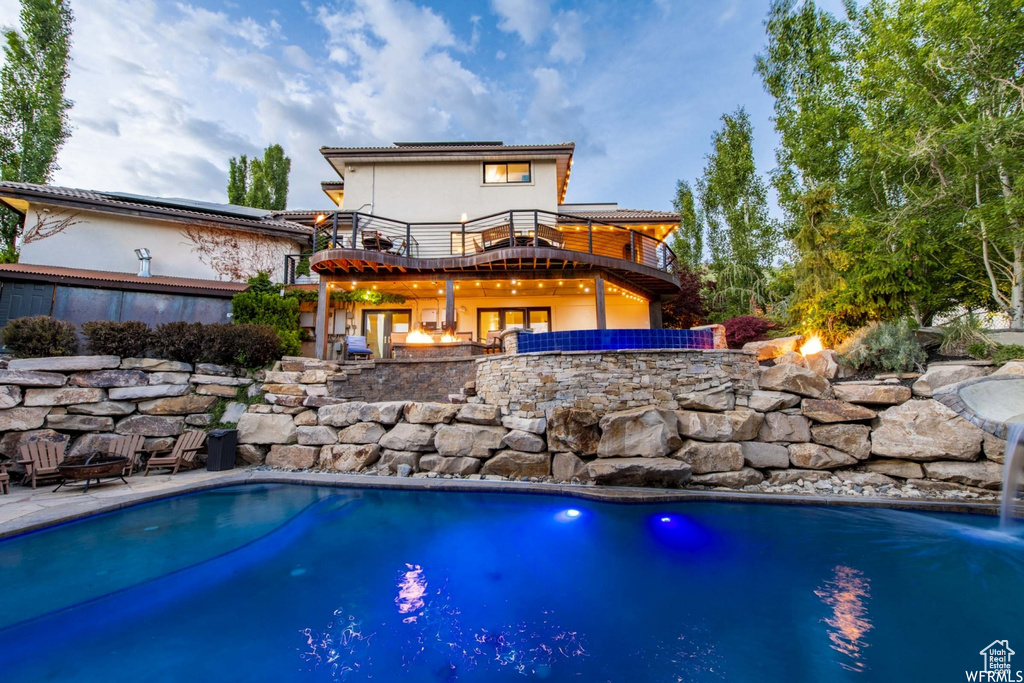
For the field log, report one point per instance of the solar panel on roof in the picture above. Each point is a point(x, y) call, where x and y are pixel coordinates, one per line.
point(190, 205)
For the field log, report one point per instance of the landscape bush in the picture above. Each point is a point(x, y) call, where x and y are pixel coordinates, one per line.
point(180, 341)
point(39, 336)
point(128, 339)
point(891, 346)
point(959, 334)
point(248, 346)
point(1007, 353)
point(262, 304)
point(980, 350)
point(746, 328)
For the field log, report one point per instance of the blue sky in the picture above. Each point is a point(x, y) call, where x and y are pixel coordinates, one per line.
point(166, 91)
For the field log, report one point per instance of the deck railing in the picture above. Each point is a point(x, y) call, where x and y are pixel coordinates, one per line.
point(519, 228)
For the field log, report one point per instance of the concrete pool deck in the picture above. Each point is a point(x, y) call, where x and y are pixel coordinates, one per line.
point(25, 510)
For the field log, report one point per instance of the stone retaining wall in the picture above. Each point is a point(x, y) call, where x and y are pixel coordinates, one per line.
point(427, 379)
point(797, 432)
point(532, 384)
point(89, 400)
point(679, 418)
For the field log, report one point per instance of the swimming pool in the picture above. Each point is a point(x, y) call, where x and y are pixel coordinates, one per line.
point(288, 582)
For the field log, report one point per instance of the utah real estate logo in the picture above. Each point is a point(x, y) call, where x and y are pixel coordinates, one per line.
point(996, 656)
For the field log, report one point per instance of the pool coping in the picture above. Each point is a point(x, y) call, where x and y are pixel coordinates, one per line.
point(88, 507)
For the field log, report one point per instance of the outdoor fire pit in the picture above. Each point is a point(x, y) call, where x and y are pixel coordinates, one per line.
point(88, 467)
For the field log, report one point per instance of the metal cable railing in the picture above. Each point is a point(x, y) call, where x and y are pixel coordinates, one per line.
point(517, 228)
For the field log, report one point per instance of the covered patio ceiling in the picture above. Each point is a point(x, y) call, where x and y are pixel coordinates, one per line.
point(491, 288)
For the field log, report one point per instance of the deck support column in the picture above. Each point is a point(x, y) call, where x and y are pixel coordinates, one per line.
point(449, 306)
point(602, 323)
point(322, 301)
point(657, 321)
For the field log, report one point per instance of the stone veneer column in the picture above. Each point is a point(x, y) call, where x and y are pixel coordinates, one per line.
point(322, 302)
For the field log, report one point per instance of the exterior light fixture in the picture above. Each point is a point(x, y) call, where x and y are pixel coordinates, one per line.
point(320, 218)
point(464, 218)
point(513, 291)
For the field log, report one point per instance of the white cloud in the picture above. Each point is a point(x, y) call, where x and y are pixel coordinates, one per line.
point(569, 42)
point(528, 18)
point(166, 93)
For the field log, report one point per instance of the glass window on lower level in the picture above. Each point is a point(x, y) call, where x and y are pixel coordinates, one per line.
point(496, 319)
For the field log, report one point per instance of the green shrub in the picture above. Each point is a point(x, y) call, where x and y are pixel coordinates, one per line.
point(960, 333)
point(1008, 352)
point(180, 341)
point(262, 304)
point(980, 350)
point(248, 346)
point(884, 346)
point(129, 339)
point(39, 336)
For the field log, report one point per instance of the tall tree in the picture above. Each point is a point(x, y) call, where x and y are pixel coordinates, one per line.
point(841, 176)
point(260, 183)
point(34, 122)
point(742, 237)
point(238, 180)
point(688, 239)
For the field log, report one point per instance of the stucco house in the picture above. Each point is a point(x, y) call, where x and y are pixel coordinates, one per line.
point(475, 236)
point(82, 253)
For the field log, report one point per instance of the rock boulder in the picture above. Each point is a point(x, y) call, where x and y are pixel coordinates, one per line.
point(349, 457)
point(710, 457)
point(938, 376)
point(814, 456)
point(659, 472)
point(793, 379)
point(518, 465)
point(648, 432)
point(925, 430)
point(292, 457)
point(266, 429)
point(574, 429)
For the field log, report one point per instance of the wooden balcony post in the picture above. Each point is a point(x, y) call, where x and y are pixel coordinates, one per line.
point(355, 229)
point(590, 236)
point(632, 245)
point(536, 224)
point(655, 310)
point(322, 301)
point(449, 306)
point(408, 240)
point(334, 233)
point(602, 323)
point(463, 238)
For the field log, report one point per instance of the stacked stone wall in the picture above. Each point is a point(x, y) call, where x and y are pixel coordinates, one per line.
point(532, 384)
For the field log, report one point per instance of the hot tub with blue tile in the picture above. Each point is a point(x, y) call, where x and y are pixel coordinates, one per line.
point(615, 340)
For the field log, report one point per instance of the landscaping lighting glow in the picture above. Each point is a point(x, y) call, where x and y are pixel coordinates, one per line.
point(811, 346)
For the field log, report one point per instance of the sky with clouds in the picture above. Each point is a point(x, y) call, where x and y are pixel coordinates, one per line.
point(166, 91)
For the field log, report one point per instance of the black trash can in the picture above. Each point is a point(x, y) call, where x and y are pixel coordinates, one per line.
point(221, 449)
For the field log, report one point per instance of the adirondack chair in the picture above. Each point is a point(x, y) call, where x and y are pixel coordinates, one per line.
point(127, 447)
point(41, 459)
point(5, 479)
point(183, 453)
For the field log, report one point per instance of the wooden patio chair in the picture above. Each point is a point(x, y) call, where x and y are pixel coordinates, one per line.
point(131, 447)
point(5, 479)
point(41, 459)
point(552, 236)
point(491, 238)
point(183, 453)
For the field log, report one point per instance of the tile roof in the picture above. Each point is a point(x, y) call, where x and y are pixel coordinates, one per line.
point(627, 215)
point(226, 214)
point(449, 146)
point(58, 273)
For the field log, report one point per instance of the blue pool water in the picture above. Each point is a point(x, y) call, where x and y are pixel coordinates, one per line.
point(281, 582)
point(615, 340)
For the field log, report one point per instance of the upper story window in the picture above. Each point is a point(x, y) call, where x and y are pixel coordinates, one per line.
point(516, 172)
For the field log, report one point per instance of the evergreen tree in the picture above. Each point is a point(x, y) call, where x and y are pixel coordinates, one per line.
point(34, 120)
point(260, 183)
